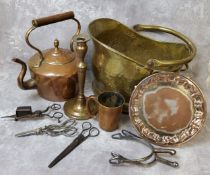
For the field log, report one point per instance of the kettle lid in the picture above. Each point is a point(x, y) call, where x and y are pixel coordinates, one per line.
point(57, 56)
point(56, 61)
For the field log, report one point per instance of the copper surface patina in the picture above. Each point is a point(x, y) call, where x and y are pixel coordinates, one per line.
point(53, 71)
point(108, 107)
point(167, 109)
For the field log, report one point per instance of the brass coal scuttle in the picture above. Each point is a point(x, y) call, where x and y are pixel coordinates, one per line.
point(123, 57)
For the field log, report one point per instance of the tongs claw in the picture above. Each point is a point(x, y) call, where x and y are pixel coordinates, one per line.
point(165, 151)
point(124, 135)
point(117, 159)
point(166, 161)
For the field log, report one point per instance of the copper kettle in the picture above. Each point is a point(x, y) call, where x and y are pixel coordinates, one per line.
point(53, 71)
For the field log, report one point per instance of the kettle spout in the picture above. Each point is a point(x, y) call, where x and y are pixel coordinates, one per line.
point(25, 85)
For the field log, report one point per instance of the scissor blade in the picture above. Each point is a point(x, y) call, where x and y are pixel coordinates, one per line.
point(27, 133)
point(77, 141)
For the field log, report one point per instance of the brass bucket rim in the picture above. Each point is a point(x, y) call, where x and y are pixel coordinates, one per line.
point(151, 63)
point(108, 47)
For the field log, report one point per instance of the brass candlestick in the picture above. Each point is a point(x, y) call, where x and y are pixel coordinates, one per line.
point(76, 107)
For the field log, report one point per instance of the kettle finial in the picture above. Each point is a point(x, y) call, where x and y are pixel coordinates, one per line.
point(56, 43)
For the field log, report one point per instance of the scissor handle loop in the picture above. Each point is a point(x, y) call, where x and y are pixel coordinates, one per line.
point(55, 106)
point(86, 126)
point(56, 115)
point(93, 132)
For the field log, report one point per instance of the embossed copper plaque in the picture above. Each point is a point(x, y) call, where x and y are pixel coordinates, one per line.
point(167, 109)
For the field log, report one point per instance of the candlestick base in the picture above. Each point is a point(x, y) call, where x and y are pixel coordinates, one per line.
point(76, 108)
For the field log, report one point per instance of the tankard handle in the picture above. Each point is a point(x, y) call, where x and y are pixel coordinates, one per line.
point(50, 20)
point(92, 109)
point(154, 63)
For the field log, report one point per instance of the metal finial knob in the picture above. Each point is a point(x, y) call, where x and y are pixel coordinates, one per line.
point(56, 43)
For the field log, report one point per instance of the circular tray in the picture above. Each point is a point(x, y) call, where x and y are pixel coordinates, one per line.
point(167, 109)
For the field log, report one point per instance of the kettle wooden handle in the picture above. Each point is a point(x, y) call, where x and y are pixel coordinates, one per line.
point(53, 19)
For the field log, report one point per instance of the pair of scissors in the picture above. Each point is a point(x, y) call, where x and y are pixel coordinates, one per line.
point(49, 109)
point(87, 131)
point(147, 160)
point(67, 128)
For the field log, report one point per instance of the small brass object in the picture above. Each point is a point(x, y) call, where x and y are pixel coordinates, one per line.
point(123, 57)
point(76, 107)
point(53, 71)
point(108, 106)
